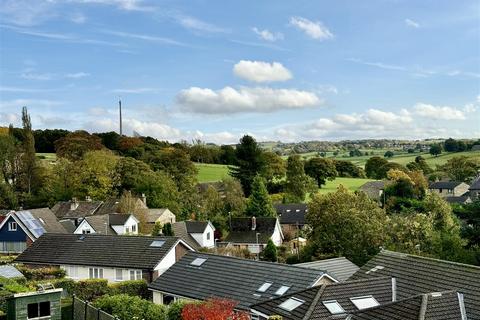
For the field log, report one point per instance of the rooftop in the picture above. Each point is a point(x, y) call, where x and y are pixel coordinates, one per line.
point(340, 268)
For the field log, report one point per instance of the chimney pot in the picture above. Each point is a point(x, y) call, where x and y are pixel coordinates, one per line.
point(254, 223)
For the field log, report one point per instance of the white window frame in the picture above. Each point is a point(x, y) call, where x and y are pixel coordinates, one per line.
point(134, 228)
point(208, 235)
point(12, 226)
point(296, 303)
point(117, 271)
point(95, 273)
point(137, 274)
point(334, 302)
point(264, 287)
point(355, 301)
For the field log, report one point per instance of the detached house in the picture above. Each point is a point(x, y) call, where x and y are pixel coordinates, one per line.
point(474, 188)
point(291, 216)
point(253, 233)
point(19, 229)
point(116, 224)
point(198, 234)
point(449, 188)
point(75, 210)
point(115, 258)
point(199, 276)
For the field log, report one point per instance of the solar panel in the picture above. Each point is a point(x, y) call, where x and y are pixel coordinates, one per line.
point(32, 224)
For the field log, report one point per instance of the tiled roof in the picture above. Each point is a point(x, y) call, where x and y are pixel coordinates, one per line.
point(373, 188)
point(180, 230)
point(103, 223)
point(459, 199)
point(419, 275)
point(436, 306)
point(62, 210)
point(340, 268)
point(241, 231)
point(475, 184)
point(111, 205)
point(154, 214)
point(97, 250)
point(445, 184)
point(381, 289)
point(233, 278)
point(69, 225)
point(196, 226)
point(291, 213)
point(48, 220)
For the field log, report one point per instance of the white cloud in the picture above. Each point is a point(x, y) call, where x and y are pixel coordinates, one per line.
point(267, 35)
point(259, 71)
point(78, 18)
point(136, 90)
point(438, 112)
point(195, 24)
point(144, 37)
point(380, 65)
point(128, 5)
point(77, 75)
point(37, 76)
point(229, 100)
point(25, 13)
point(315, 30)
point(412, 24)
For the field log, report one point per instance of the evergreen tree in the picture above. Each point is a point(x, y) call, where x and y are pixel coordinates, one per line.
point(297, 181)
point(156, 230)
point(259, 203)
point(29, 161)
point(249, 163)
point(167, 230)
point(270, 252)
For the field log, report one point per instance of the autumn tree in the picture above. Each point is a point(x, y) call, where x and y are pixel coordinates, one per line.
point(321, 170)
point(213, 309)
point(250, 162)
point(132, 205)
point(259, 203)
point(76, 144)
point(346, 224)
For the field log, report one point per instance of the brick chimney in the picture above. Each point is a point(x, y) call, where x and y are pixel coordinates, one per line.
point(254, 223)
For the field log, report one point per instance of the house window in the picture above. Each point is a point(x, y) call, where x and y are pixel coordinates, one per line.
point(95, 273)
point(333, 306)
point(134, 228)
point(38, 310)
point(135, 274)
point(264, 287)
point(9, 246)
point(72, 271)
point(290, 304)
point(86, 231)
point(282, 290)
point(208, 235)
point(118, 274)
point(364, 302)
point(12, 226)
point(127, 229)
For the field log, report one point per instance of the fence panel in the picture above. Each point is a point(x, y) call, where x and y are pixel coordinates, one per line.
point(78, 309)
point(84, 311)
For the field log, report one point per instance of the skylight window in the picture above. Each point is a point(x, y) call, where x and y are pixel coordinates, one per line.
point(333, 306)
point(364, 302)
point(291, 304)
point(157, 243)
point(282, 290)
point(264, 287)
point(198, 262)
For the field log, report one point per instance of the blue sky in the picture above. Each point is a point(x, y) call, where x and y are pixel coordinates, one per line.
point(215, 70)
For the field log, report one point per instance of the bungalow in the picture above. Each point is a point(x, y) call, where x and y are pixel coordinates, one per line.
point(291, 216)
point(76, 210)
point(417, 275)
point(329, 301)
point(115, 258)
point(199, 276)
point(449, 188)
point(113, 223)
point(19, 229)
point(253, 233)
point(340, 268)
point(198, 234)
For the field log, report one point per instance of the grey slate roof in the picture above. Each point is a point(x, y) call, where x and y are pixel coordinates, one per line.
point(68, 225)
point(445, 185)
point(291, 213)
point(340, 268)
point(459, 199)
point(241, 231)
point(48, 220)
point(154, 214)
point(436, 306)
point(373, 188)
point(111, 205)
point(97, 250)
point(180, 230)
point(313, 308)
point(99, 222)
point(233, 278)
point(475, 184)
point(9, 271)
point(419, 275)
point(196, 226)
point(85, 208)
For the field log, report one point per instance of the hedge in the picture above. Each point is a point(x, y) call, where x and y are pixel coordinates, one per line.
point(132, 288)
point(127, 307)
point(174, 311)
point(41, 273)
point(89, 290)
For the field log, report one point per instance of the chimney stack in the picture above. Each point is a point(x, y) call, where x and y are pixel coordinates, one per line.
point(73, 204)
point(88, 199)
point(144, 199)
point(254, 223)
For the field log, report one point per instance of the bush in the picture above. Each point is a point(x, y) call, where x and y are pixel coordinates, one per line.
point(89, 290)
point(126, 307)
point(67, 284)
point(174, 311)
point(132, 288)
point(41, 273)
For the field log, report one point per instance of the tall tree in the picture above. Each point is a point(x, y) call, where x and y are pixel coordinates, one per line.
point(321, 170)
point(435, 149)
point(297, 181)
point(29, 160)
point(461, 168)
point(74, 145)
point(250, 162)
point(259, 203)
point(373, 167)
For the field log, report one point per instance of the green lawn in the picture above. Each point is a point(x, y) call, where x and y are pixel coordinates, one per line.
point(351, 184)
point(47, 157)
point(211, 172)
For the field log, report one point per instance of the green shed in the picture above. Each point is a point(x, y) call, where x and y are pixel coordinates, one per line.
point(39, 305)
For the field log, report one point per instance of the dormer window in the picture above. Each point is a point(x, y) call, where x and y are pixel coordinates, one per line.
point(364, 302)
point(264, 287)
point(291, 304)
point(333, 306)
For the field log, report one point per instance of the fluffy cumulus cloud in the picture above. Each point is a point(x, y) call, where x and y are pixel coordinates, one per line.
point(230, 100)
point(268, 35)
point(315, 30)
point(438, 112)
point(259, 71)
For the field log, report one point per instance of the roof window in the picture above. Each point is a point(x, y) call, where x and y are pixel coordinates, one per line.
point(264, 287)
point(157, 243)
point(198, 262)
point(364, 302)
point(291, 304)
point(333, 306)
point(282, 290)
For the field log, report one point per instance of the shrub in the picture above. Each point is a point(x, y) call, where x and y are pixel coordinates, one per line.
point(132, 288)
point(89, 290)
point(174, 311)
point(127, 307)
point(41, 273)
point(65, 283)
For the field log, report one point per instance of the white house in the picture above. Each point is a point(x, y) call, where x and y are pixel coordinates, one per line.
point(114, 223)
point(111, 257)
point(199, 234)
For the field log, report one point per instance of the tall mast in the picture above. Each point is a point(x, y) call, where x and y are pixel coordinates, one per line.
point(120, 111)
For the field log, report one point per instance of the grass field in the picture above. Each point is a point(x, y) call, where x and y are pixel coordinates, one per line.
point(47, 157)
point(351, 184)
point(211, 172)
